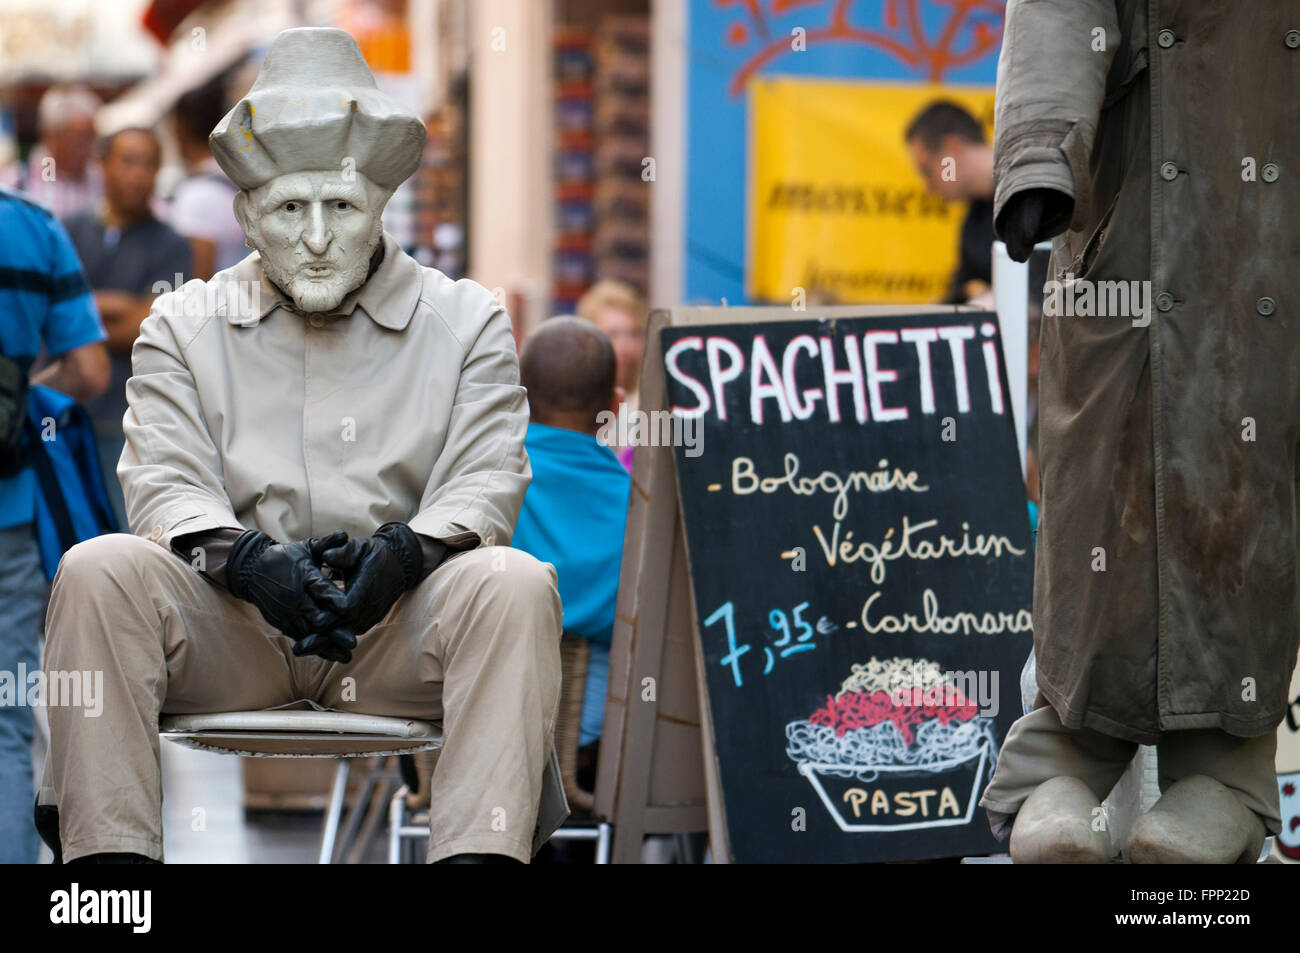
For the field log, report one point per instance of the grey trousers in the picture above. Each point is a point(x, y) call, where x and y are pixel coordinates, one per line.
point(1039, 747)
point(476, 645)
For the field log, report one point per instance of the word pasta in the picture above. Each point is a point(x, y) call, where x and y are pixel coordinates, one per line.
point(905, 804)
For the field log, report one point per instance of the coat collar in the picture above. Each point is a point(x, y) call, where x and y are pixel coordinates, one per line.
point(389, 297)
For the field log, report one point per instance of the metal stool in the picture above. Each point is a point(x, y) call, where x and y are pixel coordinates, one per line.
point(408, 829)
point(289, 733)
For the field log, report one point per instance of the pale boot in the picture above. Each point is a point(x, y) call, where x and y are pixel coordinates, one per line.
point(1197, 821)
point(1055, 825)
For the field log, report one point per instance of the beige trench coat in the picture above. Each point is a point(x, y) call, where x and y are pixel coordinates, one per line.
point(1168, 449)
point(404, 405)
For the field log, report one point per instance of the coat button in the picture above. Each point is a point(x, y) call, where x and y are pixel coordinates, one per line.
point(1269, 172)
point(1166, 38)
point(1164, 301)
point(1292, 39)
point(1265, 306)
point(316, 321)
point(1168, 171)
point(155, 533)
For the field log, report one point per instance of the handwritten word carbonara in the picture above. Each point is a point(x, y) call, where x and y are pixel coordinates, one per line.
point(933, 621)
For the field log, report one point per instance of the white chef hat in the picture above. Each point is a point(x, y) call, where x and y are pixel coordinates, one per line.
point(314, 106)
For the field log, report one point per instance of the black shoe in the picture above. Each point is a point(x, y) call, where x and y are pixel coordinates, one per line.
point(47, 825)
point(477, 859)
point(113, 859)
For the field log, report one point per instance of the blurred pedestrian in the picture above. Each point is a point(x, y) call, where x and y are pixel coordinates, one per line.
point(575, 510)
point(60, 172)
point(44, 302)
point(620, 314)
point(203, 206)
point(129, 257)
point(948, 146)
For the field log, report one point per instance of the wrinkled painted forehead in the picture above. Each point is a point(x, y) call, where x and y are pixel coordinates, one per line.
point(323, 185)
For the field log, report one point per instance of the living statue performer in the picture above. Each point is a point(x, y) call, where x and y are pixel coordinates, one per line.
point(1159, 142)
point(325, 409)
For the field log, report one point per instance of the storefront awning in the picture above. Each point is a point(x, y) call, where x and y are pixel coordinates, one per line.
point(211, 38)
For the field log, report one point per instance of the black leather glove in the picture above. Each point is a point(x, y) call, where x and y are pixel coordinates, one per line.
point(1030, 216)
point(376, 571)
point(285, 582)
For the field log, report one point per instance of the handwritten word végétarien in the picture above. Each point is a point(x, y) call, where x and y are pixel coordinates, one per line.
point(877, 555)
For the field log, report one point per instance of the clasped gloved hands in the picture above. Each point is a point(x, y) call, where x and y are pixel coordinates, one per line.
point(287, 583)
point(376, 571)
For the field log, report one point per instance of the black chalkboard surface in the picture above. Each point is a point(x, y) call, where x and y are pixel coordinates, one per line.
point(861, 565)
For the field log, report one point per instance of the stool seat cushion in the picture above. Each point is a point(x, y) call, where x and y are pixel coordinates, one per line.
point(282, 733)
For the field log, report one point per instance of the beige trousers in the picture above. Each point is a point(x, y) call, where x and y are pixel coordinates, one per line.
point(476, 646)
point(1039, 747)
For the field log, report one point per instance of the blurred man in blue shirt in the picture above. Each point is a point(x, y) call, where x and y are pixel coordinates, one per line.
point(44, 302)
point(575, 511)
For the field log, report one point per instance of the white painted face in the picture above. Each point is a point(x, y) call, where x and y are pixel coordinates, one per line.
point(315, 232)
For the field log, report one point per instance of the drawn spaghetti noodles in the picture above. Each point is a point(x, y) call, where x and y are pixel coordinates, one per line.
point(870, 724)
point(892, 675)
point(858, 753)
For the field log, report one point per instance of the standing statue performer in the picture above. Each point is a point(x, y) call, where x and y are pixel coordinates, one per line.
point(325, 408)
point(1159, 141)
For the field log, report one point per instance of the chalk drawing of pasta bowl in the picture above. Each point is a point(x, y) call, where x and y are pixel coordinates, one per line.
point(897, 749)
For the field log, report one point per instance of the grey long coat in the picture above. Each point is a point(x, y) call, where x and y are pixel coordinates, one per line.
point(1168, 450)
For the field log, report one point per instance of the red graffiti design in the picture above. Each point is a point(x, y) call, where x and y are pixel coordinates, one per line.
point(972, 29)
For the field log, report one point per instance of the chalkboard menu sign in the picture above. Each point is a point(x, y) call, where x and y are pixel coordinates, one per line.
point(861, 565)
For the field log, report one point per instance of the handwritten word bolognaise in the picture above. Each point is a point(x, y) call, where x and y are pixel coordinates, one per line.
point(746, 480)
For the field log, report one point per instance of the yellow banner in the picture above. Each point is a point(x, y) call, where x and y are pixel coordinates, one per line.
point(836, 206)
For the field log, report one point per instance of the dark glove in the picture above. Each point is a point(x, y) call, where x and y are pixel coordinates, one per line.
point(1029, 216)
point(285, 582)
point(376, 571)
